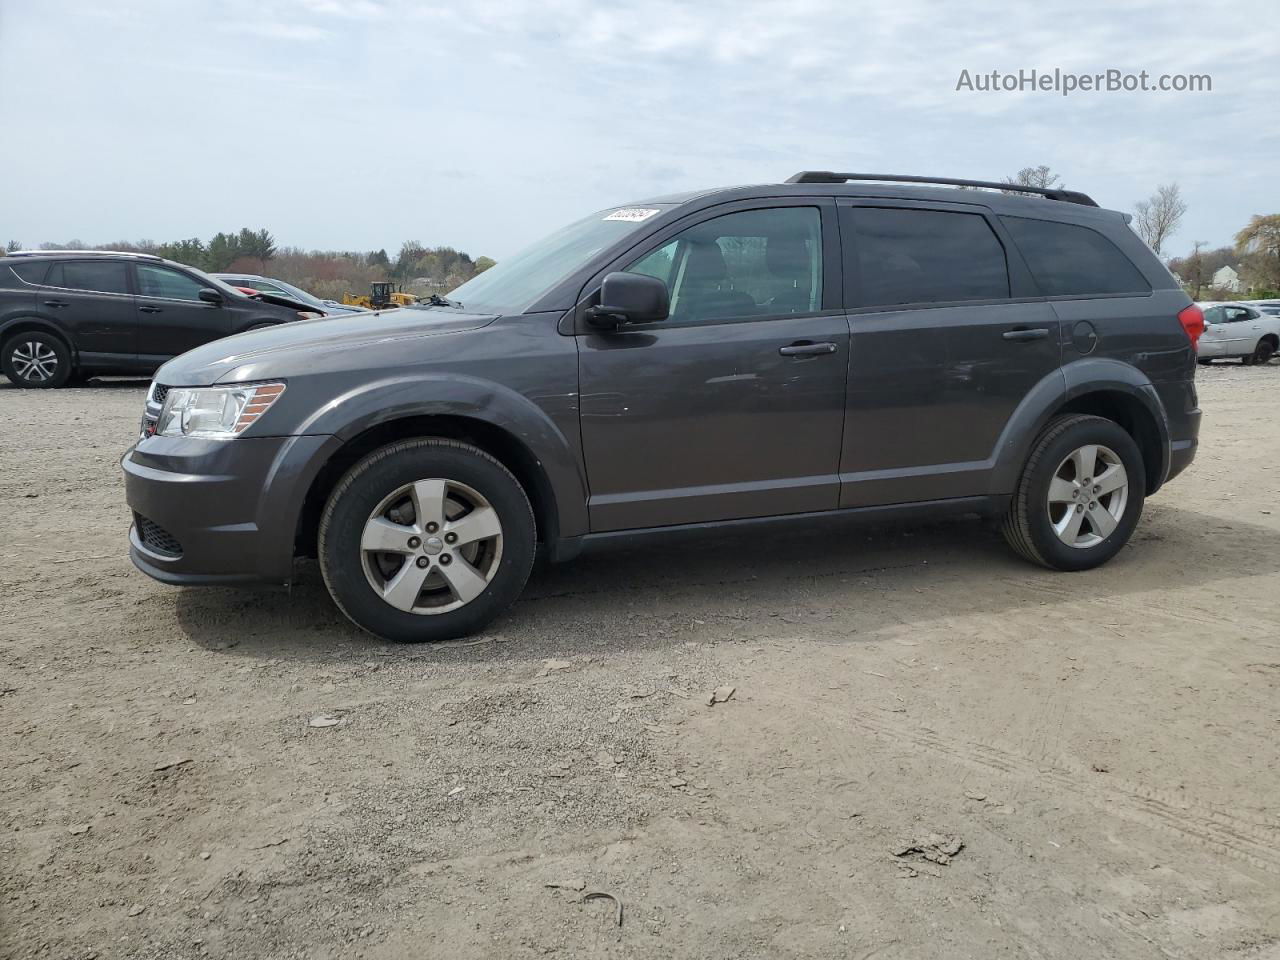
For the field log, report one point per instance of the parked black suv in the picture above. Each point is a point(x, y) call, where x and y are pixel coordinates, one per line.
point(808, 348)
point(69, 313)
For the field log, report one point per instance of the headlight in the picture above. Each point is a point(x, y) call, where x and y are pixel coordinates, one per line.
point(216, 413)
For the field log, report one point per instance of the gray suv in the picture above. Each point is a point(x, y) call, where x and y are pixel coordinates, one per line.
point(828, 345)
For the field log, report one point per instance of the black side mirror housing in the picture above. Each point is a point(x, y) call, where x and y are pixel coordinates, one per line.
point(210, 295)
point(630, 298)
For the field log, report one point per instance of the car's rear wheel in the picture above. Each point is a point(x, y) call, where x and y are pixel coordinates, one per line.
point(426, 539)
point(1080, 495)
point(36, 359)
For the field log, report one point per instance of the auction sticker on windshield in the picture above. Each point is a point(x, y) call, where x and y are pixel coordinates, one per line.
point(632, 214)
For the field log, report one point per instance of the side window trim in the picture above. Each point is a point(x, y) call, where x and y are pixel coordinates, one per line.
point(1021, 287)
point(575, 323)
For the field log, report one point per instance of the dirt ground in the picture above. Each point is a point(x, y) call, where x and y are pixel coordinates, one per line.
point(1104, 745)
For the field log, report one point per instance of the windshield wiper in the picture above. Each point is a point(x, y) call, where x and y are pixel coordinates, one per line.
point(436, 300)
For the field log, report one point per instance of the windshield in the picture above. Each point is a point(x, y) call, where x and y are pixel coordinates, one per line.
point(513, 285)
point(220, 285)
point(298, 293)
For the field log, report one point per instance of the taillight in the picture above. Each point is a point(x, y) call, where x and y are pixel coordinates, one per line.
point(1192, 320)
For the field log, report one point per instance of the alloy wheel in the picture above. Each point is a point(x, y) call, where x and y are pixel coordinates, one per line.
point(1087, 496)
point(34, 361)
point(431, 546)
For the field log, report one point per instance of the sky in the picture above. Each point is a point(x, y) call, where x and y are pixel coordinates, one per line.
point(360, 124)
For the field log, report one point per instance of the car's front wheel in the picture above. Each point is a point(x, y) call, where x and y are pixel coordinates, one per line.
point(36, 359)
point(1080, 495)
point(426, 539)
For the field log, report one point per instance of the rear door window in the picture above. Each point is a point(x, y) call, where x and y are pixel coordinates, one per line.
point(926, 256)
point(1073, 261)
point(94, 276)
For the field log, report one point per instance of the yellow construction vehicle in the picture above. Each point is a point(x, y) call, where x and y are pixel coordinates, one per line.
point(382, 295)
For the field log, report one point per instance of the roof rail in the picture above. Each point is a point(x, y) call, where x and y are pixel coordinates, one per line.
point(82, 253)
point(826, 176)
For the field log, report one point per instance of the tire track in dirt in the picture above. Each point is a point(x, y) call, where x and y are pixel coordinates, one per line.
point(1223, 832)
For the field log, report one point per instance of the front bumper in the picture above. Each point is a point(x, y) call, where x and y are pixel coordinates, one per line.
point(219, 511)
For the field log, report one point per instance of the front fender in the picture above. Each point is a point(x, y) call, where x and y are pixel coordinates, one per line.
point(371, 404)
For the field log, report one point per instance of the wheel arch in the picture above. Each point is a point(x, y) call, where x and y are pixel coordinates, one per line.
point(498, 442)
point(1137, 420)
point(31, 324)
point(1095, 385)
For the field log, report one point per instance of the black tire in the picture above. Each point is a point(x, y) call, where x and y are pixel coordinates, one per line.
point(1027, 526)
point(18, 348)
point(369, 483)
point(1263, 353)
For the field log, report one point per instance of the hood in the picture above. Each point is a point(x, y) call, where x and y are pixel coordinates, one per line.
point(310, 346)
point(282, 301)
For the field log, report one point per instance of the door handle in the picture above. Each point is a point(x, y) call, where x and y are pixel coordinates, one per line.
point(150, 309)
point(807, 349)
point(56, 303)
point(1023, 335)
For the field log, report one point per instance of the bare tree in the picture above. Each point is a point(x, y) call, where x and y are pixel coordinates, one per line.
point(1157, 217)
point(1197, 273)
point(1259, 244)
point(12, 245)
point(1040, 176)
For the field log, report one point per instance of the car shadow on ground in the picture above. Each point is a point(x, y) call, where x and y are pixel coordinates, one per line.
point(655, 594)
point(93, 383)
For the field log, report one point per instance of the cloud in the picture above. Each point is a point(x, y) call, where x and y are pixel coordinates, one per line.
point(483, 125)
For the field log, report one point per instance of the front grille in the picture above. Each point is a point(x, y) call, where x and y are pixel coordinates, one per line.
point(154, 406)
point(156, 537)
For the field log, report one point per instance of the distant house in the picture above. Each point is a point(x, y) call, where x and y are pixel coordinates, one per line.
point(1227, 279)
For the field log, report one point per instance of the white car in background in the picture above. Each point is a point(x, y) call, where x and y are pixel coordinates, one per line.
point(1238, 330)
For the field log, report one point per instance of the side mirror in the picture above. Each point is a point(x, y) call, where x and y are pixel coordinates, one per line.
point(210, 295)
point(630, 298)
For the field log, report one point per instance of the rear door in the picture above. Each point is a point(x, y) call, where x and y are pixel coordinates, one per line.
point(733, 406)
point(948, 336)
point(91, 299)
point(172, 318)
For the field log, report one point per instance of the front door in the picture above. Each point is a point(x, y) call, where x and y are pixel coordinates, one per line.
point(733, 406)
point(1237, 331)
point(945, 343)
point(172, 318)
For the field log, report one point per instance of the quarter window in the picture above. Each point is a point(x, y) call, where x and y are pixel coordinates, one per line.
point(1073, 261)
point(31, 271)
point(166, 283)
point(927, 256)
point(757, 263)
point(95, 276)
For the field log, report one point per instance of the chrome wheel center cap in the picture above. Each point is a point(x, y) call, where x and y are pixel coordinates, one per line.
point(432, 545)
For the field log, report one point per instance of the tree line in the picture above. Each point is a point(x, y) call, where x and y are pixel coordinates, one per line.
point(1255, 253)
point(326, 273)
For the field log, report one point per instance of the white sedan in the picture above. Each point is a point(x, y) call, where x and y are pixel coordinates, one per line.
point(1238, 330)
